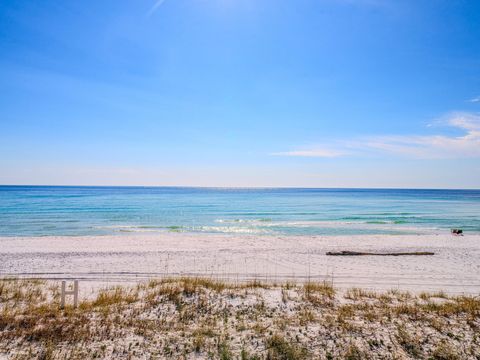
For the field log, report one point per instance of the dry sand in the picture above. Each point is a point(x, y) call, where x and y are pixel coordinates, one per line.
point(104, 260)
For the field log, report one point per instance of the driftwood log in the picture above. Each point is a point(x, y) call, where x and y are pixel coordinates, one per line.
point(358, 253)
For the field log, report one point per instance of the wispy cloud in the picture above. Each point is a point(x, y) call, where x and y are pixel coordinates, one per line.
point(436, 146)
point(316, 152)
point(155, 7)
point(475, 100)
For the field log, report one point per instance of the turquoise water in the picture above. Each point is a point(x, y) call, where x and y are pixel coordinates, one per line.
point(50, 210)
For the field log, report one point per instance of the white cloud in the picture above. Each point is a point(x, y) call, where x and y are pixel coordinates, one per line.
point(467, 121)
point(475, 100)
point(436, 146)
point(155, 7)
point(317, 152)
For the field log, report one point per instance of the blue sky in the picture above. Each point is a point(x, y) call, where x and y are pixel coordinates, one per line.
point(314, 93)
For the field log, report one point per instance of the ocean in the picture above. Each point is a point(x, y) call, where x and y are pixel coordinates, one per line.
point(72, 211)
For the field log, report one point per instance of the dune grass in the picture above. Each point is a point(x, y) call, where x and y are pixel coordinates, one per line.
point(190, 318)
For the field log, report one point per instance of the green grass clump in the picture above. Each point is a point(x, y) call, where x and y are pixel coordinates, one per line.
point(358, 294)
point(319, 293)
point(279, 348)
point(224, 352)
point(115, 296)
point(408, 342)
point(354, 353)
point(445, 351)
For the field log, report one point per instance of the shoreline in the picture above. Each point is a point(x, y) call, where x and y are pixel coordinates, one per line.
point(129, 258)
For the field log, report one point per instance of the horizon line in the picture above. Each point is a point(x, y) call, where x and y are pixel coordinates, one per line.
point(237, 187)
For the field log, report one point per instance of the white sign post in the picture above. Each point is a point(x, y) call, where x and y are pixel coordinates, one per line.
point(73, 292)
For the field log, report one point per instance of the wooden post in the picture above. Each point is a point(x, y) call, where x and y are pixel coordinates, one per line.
point(73, 292)
point(62, 302)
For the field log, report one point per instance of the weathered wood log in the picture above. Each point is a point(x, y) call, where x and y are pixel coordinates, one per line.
point(359, 253)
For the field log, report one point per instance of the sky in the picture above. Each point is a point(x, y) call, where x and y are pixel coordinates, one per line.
point(240, 93)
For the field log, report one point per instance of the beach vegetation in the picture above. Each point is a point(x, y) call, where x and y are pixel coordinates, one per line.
point(318, 293)
point(359, 293)
point(445, 351)
point(205, 318)
point(353, 352)
point(279, 348)
point(408, 342)
point(224, 352)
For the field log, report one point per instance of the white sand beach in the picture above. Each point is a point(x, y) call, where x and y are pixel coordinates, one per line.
point(104, 260)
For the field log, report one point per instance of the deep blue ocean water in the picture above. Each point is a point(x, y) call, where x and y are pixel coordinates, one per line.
point(58, 210)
